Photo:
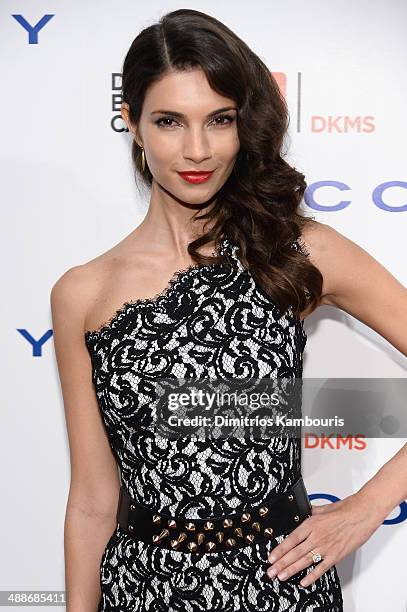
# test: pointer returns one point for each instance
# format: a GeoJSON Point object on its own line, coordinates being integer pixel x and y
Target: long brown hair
{"type": "Point", "coordinates": [259, 205]}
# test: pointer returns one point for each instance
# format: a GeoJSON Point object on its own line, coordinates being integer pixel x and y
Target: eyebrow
{"type": "Point", "coordinates": [182, 116]}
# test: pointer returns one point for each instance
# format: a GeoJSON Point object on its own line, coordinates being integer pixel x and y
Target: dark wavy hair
{"type": "Point", "coordinates": [259, 204]}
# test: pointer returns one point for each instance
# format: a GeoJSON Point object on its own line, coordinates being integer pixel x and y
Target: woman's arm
{"type": "Point", "coordinates": [358, 284]}
{"type": "Point", "coordinates": [90, 517]}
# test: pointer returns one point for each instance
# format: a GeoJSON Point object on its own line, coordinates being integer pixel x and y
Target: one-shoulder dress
{"type": "Point", "coordinates": [210, 321]}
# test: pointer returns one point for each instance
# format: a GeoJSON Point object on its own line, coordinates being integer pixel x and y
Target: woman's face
{"type": "Point", "coordinates": [188, 135]}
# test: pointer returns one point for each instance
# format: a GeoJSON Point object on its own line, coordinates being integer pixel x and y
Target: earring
{"type": "Point", "coordinates": [143, 159]}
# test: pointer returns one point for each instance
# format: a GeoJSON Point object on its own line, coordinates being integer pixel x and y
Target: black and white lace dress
{"type": "Point", "coordinates": [211, 321]}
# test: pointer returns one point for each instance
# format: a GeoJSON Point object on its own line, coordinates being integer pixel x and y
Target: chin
{"type": "Point", "coordinates": [197, 198]}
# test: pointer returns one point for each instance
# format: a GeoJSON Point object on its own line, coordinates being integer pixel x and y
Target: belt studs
{"type": "Point", "coordinates": [190, 526]}
{"type": "Point", "coordinates": [163, 534]}
{"type": "Point", "coordinates": [175, 543]}
{"type": "Point", "coordinates": [209, 526]}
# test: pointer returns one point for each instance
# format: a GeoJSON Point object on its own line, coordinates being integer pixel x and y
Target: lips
{"type": "Point", "coordinates": [195, 177]}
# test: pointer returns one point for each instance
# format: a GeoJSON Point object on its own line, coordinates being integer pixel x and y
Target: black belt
{"type": "Point", "coordinates": [277, 516]}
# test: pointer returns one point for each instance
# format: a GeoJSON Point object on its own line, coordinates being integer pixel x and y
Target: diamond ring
{"type": "Point", "coordinates": [316, 557]}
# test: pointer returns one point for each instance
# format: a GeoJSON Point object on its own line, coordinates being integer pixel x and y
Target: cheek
{"type": "Point", "coordinates": [229, 148]}
{"type": "Point", "coordinates": [162, 151]}
{"type": "Point", "coordinates": [160, 160]}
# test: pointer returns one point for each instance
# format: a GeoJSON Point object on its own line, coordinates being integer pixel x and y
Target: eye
{"type": "Point", "coordinates": [160, 124]}
{"type": "Point", "coordinates": [229, 118]}
{"type": "Point", "coordinates": [220, 120]}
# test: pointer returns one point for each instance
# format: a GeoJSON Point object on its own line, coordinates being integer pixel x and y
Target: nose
{"type": "Point", "coordinates": [196, 145]}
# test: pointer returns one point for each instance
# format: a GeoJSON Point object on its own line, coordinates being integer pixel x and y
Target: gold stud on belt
{"type": "Point", "coordinates": [290, 498]}
{"type": "Point", "coordinates": [161, 536]}
{"type": "Point", "coordinates": [175, 543]}
{"type": "Point", "coordinates": [209, 525]}
{"type": "Point", "coordinates": [230, 542]}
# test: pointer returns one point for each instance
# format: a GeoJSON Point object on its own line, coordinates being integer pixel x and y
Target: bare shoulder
{"type": "Point", "coordinates": [319, 238]}
{"type": "Point", "coordinates": [76, 290]}
{"type": "Point", "coordinates": [357, 283]}
{"type": "Point", "coordinates": [70, 296]}
{"type": "Point", "coordinates": [332, 253]}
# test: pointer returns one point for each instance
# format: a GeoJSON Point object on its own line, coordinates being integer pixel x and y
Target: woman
{"type": "Point", "coordinates": [197, 521]}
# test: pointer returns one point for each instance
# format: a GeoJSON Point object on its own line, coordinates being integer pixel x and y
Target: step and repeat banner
{"type": "Point", "coordinates": [69, 195]}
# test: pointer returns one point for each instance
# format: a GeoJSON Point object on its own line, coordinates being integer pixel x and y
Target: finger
{"type": "Point", "coordinates": [319, 569]}
{"type": "Point", "coordinates": [298, 535]}
{"type": "Point", "coordinates": [291, 569]}
{"type": "Point", "coordinates": [298, 557]}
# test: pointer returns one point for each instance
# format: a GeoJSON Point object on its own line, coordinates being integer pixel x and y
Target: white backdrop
{"type": "Point", "coordinates": [68, 195]}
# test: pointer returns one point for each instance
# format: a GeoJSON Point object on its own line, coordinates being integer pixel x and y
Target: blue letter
{"type": "Point", "coordinates": [378, 192]}
{"type": "Point", "coordinates": [36, 344]}
{"type": "Point", "coordinates": [32, 30]}
{"type": "Point", "coordinates": [309, 195]}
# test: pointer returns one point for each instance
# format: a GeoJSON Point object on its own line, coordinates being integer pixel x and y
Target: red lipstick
{"type": "Point", "coordinates": [192, 176]}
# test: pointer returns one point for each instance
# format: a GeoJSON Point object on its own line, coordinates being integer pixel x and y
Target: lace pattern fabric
{"type": "Point", "coordinates": [210, 321]}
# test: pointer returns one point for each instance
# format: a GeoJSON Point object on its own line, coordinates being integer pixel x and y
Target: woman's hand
{"type": "Point", "coordinates": [334, 530]}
